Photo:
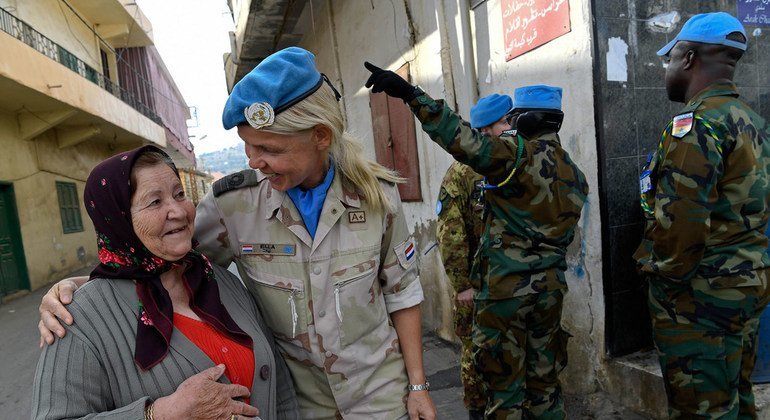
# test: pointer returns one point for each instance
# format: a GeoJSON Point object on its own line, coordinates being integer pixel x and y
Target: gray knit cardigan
{"type": "Point", "coordinates": [90, 373]}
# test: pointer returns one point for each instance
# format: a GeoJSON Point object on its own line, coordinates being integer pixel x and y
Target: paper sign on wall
{"type": "Point", "coordinates": [754, 12]}
{"type": "Point", "coordinates": [528, 24]}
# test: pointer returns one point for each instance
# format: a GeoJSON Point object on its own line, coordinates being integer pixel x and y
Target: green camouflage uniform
{"type": "Point", "coordinates": [458, 229]}
{"type": "Point", "coordinates": [327, 299]}
{"type": "Point", "coordinates": [528, 225]}
{"type": "Point", "coordinates": [705, 204]}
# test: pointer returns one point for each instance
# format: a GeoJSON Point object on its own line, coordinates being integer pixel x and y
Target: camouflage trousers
{"type": "Point", "coordinates": [473, 390]}
{"type": "Point", "coordinates": [520, 350]}
{"type": "Point", "coordinates": [707, 339]}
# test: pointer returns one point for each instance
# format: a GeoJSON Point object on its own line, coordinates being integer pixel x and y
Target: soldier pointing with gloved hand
{"type": "Point", "coordinates": [533, 197]}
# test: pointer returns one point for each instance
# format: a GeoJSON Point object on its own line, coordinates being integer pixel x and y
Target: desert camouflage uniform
{"type": "Point", "coordinates": [704, 254]}
{"type": "Point", "coordinates": [528, 225]}
{"type": "Point", "coordinates": [458, 230]}
{"type": "Point", "coordinates": [326, 299]}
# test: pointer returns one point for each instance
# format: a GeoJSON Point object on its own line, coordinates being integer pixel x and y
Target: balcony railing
{"type": "Point", "coordinates": [26, 34]}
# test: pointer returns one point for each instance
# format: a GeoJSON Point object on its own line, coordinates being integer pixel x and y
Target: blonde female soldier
{"type": "Point", "coordinates": [319, 238]}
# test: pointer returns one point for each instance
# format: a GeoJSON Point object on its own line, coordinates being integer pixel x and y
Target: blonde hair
{"type": "Point", "coordinates": [346, 151]}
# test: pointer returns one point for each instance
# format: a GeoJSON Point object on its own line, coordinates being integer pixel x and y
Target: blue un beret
{"type": "Point", "coordinates": [489, 109]}
{"type": "Point", "coordinates": [537, 97]}
{"type": "Point", "coordinates": [709, 28]}
{"type": "Point", "coordinates": [274, 85]}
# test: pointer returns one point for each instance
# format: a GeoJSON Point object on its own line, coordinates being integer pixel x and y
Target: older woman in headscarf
{"type": "Point", "coordinates": [320, 239]}
{"type": "Point", "coordinates": [159, 331]}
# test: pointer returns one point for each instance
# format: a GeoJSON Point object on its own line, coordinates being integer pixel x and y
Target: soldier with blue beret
{"type": "Point", "coordinates": [488, 115]}
{"type": "Point", "coordinates": [533, 197]}
{"type": "Point", "coordinates": [319, 237]}
{"type": "Point", "coordinates": [458, 229]}
{"type": "Point", "coordinates": [704, 196]}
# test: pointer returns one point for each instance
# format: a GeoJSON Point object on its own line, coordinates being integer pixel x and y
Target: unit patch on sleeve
{"type": "Point", "coordinates": [406, 252]}
{"type": "Point", "coordinates": [682, 124]}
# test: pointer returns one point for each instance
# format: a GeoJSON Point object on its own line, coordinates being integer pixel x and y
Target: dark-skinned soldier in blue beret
{"type": "Point", "coordinates": [705, 200]}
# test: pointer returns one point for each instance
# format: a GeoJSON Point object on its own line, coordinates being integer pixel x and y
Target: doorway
{"type": "Point", "coordinates": [13, 266]}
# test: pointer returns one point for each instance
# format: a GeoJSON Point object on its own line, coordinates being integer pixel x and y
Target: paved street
{"type": "Point", "coordinates": [20, 352]}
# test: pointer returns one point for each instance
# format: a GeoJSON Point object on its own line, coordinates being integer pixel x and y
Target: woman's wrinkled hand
{"type": "Point", "coordinates": [201, 397]}
{"type": "Point", "coordinates": [52, 310]}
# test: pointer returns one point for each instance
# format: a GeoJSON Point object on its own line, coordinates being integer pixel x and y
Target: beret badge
{"type": "Point", "coordinates": [259, 114]}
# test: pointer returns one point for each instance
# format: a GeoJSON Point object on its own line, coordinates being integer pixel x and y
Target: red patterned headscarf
{"type": "Point", "coordinates": [123, 257]}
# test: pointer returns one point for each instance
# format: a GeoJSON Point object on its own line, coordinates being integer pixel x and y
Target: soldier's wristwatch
{"type": "Point", "coordinates": [419, 387]}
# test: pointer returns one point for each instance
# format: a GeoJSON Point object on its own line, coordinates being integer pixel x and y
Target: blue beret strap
{"type": "Point", "coordinates": [328, 82]}
{"type": "Point", "coordinates": [296, 100]}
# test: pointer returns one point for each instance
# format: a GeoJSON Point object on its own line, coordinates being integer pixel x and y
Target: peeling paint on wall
{"type": "Point", "coordinates": [617, 68]}
{"type": "Point", "coordinates": [437, 307]}
{"type": "Point", "coordinates": [576, 258]}
{"type": "Point", "coordinates": [664, 22]}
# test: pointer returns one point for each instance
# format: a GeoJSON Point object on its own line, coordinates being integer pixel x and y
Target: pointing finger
{"type": "Point", "coordinates": [371, 67]}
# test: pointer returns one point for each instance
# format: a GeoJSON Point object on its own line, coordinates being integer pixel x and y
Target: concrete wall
{"type": "Point", "coordinates": [56, 21]}
{"type": "Point", "coordinates": [33, 159]}
{"type": "Point", "coordinates": [457, 54]}
{"type": "Point", "coordinates": [32, 69]}
{"type": "Point", "coordinates": [381, 32]}
{"type": "Point", "coordinates": [566, 62]}
{"type": "Point", "coordinates": [34, 168]}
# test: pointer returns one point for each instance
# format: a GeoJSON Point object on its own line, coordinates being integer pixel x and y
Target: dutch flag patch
{"type": "Point", "coordinates": [406, 252]}
{"type": "Point", "coordinates": [409, 251]}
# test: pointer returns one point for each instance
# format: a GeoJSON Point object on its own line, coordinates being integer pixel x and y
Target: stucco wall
{"type": "Point", "coordinates": [566, 62]}
{"type": "Point", "coordinates": [56, 21]}
{"type": "Point", "coordinates": [34, 167]}
{"type": "Point", "coordinates": [451, 55]}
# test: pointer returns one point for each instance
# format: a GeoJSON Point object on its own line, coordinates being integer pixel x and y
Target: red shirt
{"type": "Point", "coordinates": [238, 359]}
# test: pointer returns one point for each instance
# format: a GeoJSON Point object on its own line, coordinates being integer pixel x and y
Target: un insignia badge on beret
{"type": "Point", "coordinates": [259, 114]}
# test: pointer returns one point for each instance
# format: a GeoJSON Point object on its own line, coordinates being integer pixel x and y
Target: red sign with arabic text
{"type": "Point", "coordinates": [528, 24]}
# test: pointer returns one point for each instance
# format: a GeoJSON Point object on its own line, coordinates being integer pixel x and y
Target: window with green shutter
{"type": "Point", "coordinates": [69, 206]}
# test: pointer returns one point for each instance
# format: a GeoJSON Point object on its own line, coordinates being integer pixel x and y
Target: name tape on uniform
{"type": "Point", "coordinates": [269, 249]}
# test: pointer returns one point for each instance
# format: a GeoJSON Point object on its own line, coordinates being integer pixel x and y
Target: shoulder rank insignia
{"type": "Point", "coordinates": [245, 178]}
{"type": "Point", "coordinates": [682, 124]}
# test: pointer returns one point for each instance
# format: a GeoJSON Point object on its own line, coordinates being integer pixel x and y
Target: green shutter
{"type": "Point", "coordinates": [69, 207]}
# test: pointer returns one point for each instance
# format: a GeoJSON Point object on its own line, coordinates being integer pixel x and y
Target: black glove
{"type": "Point", "coordinates": [390, 83]}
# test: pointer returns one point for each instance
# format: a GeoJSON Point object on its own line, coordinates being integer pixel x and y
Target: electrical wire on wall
{"type": "Point", "coordinates": [118, 57]}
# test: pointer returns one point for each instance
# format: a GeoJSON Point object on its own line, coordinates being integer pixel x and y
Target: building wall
{"type": "Point", "coordinates": [34, 168]}
{"type": "Point", "coordinates": [635, 109]}
{"type": "Point", "coordinates": [55, 20]}
{"type": "Point", "coordinates": [45, 103]}
{"type": "Point", "coordinates": [32, 69]}
{"type": "Point", "coordinates": [565, 62]}
{"type": "Point", "coordinates": [358, 26]}
{"type": "Point", "coordinates": [457, 54]}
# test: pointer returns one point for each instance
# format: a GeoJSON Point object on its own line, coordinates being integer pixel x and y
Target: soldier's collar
{"type": "Point", "coordinates": [715, 89]}
{"type": "Point", "coordinates": [340, 189]}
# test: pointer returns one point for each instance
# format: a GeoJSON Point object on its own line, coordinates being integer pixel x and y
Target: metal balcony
{"type": "Point", "coordinates": [28, 35]}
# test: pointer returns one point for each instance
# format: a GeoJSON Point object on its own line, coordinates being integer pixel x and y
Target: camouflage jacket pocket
{"type": "Point", "coordinates": [360, 306]}
{"type": "Point", "coordinates": [282, 302]}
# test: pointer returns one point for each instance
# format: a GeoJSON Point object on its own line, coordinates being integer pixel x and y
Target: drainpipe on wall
{"type": "Point", "coordinates": [446, 56]}
{"type": "Point", "coordinates": [339, 84]}
{"type": "Point", "coordinates": [464, 39]}
{"type": "Point", "coordinates": [468, 43]}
